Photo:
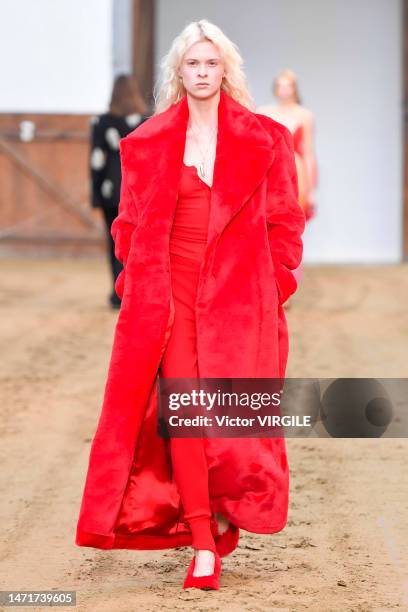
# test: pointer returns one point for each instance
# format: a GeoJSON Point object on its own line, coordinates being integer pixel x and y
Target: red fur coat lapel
{"type": "Point", "coordinates": [155, 151]}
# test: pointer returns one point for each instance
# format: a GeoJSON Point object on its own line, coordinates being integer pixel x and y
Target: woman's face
{"type": "Point", "coordinates": [202, 69]}
{"type": "Point", "coordinates": [285, 89]}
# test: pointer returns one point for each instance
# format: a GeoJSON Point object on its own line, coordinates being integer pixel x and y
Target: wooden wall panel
{"type": "Point", "coordinates": [44, 192]}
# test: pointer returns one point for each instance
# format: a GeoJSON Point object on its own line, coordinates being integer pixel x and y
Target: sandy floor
{"type": "Point", "coordinates": [346, 543]}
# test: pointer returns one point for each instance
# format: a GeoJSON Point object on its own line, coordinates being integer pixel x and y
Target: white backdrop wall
{"type": "Point", "coordinates": [122, 37]}
{"type": "Point", "coordinates": [348, 56]}
{"type": "Point", "coordinates": [56, 55]}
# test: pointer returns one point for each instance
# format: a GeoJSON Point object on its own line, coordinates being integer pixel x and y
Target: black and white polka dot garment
{"type": "Point", "coordinates": [104, 162]}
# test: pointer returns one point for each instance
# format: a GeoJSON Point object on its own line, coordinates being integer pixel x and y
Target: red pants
{"type": "Point", "coordinates": [180, 360]}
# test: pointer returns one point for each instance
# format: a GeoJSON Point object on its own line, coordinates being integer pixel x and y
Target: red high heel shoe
{"type": "Point", "coordinates": [207, 583]}
{"type": "Point", "coordinates": [228, 541]}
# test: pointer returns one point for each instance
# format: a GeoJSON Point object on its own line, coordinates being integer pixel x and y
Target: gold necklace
{"type": "Point", "coordinates": [202, 163]}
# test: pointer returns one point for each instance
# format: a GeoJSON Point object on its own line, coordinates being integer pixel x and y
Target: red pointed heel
{"type": "Point", "coordinates": [207, 583]}
{"type": "Point", "coordinates": [227, 542]}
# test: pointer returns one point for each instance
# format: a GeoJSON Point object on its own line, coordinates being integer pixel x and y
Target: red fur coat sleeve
{"type": "Point", "coordinates": [284, 215]}
{"type": "Point", "coordinates": [124, 225]}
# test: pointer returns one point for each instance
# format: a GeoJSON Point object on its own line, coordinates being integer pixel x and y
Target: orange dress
{"type": "Point", "coordinates": [187, 246]}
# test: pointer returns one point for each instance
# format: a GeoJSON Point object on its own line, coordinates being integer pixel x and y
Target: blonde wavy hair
{"type": "Point", "coordinates": [170, 88]}
{"type": "Point", "coordinates": [291, 76]}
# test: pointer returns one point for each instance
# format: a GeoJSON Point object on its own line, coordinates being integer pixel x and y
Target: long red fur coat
{"type": "Point", "coordinates": [130, 499]}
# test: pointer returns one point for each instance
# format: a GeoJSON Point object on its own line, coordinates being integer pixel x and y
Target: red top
{"type": "Point", "coordinates": [298, 140]}
{"type": "Point", "coordinates": [188, 237]}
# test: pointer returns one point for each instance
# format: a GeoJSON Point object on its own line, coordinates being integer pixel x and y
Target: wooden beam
{"type": "Point", "coordinates": [143, 21]}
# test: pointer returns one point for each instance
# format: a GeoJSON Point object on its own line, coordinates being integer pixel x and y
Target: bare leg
{"type": "Point", "coordinates": [223, 523]}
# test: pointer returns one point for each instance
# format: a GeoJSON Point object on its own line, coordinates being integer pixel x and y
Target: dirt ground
{"type": "Point", "coordinates": [345, 546]}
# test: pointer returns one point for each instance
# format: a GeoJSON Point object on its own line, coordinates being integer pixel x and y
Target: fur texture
{"type": "Point", "coordinates": [254, 241]}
